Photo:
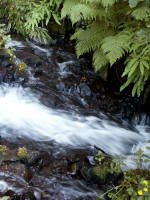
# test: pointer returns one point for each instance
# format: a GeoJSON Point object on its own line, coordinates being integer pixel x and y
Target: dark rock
{"type": "Point", "coordinates": [8, 78]}
{"type": "Point", "coordinates": [28, 196]}
{"type": "Point", "coordinates": [84, 89]}
{"type": "Point", "coordinates": [9, 156]}
{"type": "Point", "coordinates": [39, 160]}
{"type": "Point", "coordinates": [15, 168]}
{"type": "Point", "coordinates": [38, 73]}
{"type": "Point", "coordinates": [41, 42]}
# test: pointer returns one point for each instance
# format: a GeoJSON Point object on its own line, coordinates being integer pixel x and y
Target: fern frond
{"type": "Point", "coordinates": [78, 11]}
{"type": "Point", "coordinates": [67, 7]}
{"type": "Point", "coordinates": [107, 3]}
{"type": "Point", "coordinates": [141, 13]}
{"type": "Point", "coordinates": [104, 3]}
{"type": "Point", "coordinates": [87, 43]}
{"type": "Point", "coordinates": [99, 59]}
{"type": "Point", "coordinates": [137, 69]}
{"type": "Point", "coordinates": [116, 46]}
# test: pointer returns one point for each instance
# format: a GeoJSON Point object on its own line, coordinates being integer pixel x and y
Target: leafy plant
{"type": "Point", "coordinates": [30, 17]}
{"type": "Point", "coordinates": [22, 153]}
{"type": "Point", "coordinates": [135, 184]}
{"type": "Point", "coordinates": [4, 38]}
{"type": "Point", "coordinates": [5, 198]}
{"type": "Point", "coordinates": [3, 149]}
{"type": "Point", "coordinates": [115, 29]}
{"type": "Point", "coordinates": [111, 29]}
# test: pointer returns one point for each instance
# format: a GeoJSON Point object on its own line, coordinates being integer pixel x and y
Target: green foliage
{"type": "Point", "coordinates": [135, 184]}
{"type": "Point", "coordinates": [4, 38]}
{"type": "Point", "coordinates": [22, 153]}
{"type": "Point", "coordinates": [3, 149]}
{"type": "Point", "coordinates": [111, 29]}
{"type": "Point", "coordinates": [30, 17]}
{"type": "Point", "coordinates": [115, 29]}
{"type": "Point", "coordinates": [5, 198]}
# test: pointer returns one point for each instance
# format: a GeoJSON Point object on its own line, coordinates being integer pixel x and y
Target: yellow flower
{"type": "Point", "coordinates": [145, 182]}
{"type": "Point", "coordinates": [140, 192]}
{"type": "Point", "coordinates": [145, 189]}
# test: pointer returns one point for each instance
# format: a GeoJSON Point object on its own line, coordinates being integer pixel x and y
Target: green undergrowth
{"type": "Point", "coordinates": [115, 29]}
{"type": "Point", "coordinates": [111, 30]}
{"type": "Point", "coordinates": [4, 39]}
{"type": "Point", "coordinates": [5, 198]}
{"type": "Point", "coordinates": [134, 184]}
{"type": "Point", "coordinates": [30, 17]}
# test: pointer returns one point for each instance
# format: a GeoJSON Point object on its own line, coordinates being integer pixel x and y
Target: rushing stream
{"type": "Point", "coordinates": [25, 114]}
{"type": "Point", "coordinates": [21, 111]}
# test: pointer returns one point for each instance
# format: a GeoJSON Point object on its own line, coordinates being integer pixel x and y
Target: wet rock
{"type": "Point", "coordinates": [98, 175]}
{"type": "Point", "coordinates": [59, 41]}
{"type": "Point", "coordinates": [84, 89]}
{"type": "Point", "coordinates": [38, 73]}
{"type": "Point", "coordinates": [41, 42]}
{"type": "Point", "coordinates": [9, 156]}
{"type": "Point", "coordinates": [39, 160]}
{"type": "Point", "coordinates": [52, 100]}
{"type": "Point", "coordinates": [29, 195]}
{"type": "Point", "coordinates": [47, 174]}
{"type": "Point", "coordinates": [101, 172]}
{"type": "Point", "coordinates": [7, 71]}
{"type": "Point", "coordinates": [8, 78]}
{"type": "Point", "coordinates": [29, 58]}
{"type": "Point", "coordinates": [14, 168]}
{"type": "Point", "coordinates": [74, 169]}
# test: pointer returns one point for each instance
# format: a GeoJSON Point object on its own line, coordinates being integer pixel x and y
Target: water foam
{"type": "Point", "coordinates": [22, 112]}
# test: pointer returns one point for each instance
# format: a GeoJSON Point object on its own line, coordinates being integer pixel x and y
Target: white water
{"type": "Point", "coordinates": [21, 112]}
{"type": "Point", "coordinates": [14, 43]}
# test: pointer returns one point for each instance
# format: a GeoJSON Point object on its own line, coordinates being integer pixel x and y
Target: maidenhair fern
{"type": "Point", "coordinates": [115, 29]}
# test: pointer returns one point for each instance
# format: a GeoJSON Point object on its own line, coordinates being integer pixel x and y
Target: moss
{"type": "Point", "coordinates": [22, 153]}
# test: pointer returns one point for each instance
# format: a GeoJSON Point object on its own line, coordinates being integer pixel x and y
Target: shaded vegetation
{"type": "Point", "coordinates": [134, 184]}
{"type": "Point", "coordinates": [111, 30]}
{"type": "Point", "coordinates": [114, 29]}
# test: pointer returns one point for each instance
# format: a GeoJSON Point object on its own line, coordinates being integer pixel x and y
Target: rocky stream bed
{"type": "Point", "coordinates": [62, 113]}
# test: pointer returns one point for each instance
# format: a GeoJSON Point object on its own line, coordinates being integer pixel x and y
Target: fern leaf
{"type": "Point", "coordinates": [87, 43]}
{"type": "Point", "coordinates": [142, 68]}
{"type": "Point", "coordinates": [133, 68]}
{"type": "Point", "coordinates": [146, 64]}
{"type": "Point", "coordinates": [130, 63]}
{"type": "Point", "coordinates": [78, 11]}
{"type": "Point", "coordinates": [67, 7]}
{"type": "Point", "coordinates": [141, 13]}
{"type": "Point", "coordinates": [107, 3]}
{"type": "Point", "coordinates": [99, 59]}
{"type": "Point", "coordinates": [115, 46]}
{"type": "Point", "coordinates": [146, 75]}
{"type": "Point", "coordinates": [134, 90]}
{"type": "Point", "coordinates": [128, 82]}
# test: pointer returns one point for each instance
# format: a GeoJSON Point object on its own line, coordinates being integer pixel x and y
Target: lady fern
{"type": "Point", "coordinates": [115, 29]}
